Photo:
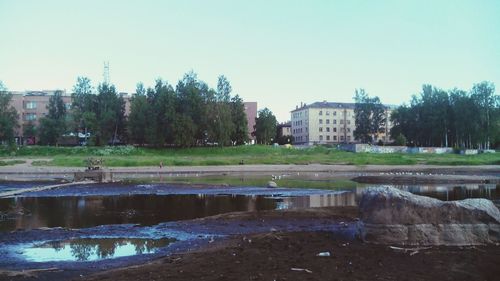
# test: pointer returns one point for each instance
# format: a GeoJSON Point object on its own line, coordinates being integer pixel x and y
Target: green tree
{"type": "Point", "coordinates": [369, 115]}
{"type": "Point", "coordinates": [138, 117]}
{"type": "Point", "coordinates": [8, 116]}
{"type": "Point", "coordinates": [265, 126]}
{"type": "Point", "coordinates": [53, 126]}
{"type": "Point", "coordinates": [223, 126]}
{"type": "Point", "coordinates": [30, 132]}
{"type": "Point", "coordinates": [83, 109]}
{"type": "Point", "coordinates": [239, 134]}
{"type": "Point", "coordinates": [110, 110]}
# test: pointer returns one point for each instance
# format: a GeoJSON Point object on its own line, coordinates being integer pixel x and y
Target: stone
{"type": "Point", "coordinates": [272, 184]}
{"type": "Point", "coordinates": [393, 216]}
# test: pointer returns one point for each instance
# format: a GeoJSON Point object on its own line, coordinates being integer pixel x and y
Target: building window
{"type": "Point", "coordinates": [341, 138]}
{"type": "Point", "coordinates": [334, 138]}
{"type": "Point", "coordinates": [30, 105]}
{"type": "Point", "coordinates": [348, 122]}
{"type": "Point", "coordinates": [320, 138]}
{"type": "Point", "coordinates": [327, 121]}
{"type": "Point", "coordinates": [30, 117]}
{"type": "Point", "coordinates": [341, 121]}
{"type": "Point", "coordinates": [327, 138]}
{"type": "Point", "coordinates": [328, 113]}
{"type": "Point", "coordinates": [348, 130]}
{"type": "Point", "coordinates": [334, 121]}
{"type": "Point", "coordinates": [328, 129]}
{"type": "Point", "coordinates": [321, 129]}
{"type": "Point", "coordinates": [321, 121]}
{"type": "Point", "coordinates": [348, 138]}
{"type": "Point", "coordinates": [335, 113]}
{"type": "Point", "coordinates": [334, 130]}
{"type": "Point", "coordinates": [321, 112]}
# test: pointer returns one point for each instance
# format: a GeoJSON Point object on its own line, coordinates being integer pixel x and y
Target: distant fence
{"type": "Point", "coordinates": [396, 149]}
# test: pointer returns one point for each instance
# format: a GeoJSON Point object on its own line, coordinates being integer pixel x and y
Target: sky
{"type": "Point", "coordinates": [277, 53]}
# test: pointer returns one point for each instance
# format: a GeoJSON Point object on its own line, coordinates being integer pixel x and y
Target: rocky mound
{"type": "Point", "coordinates": [392, 216]}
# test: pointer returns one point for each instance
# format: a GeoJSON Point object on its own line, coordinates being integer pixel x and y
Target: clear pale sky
{"type": "Point", "coordinates": [278, 53]}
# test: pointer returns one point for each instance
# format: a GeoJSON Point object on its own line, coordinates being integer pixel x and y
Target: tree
{"type": "Point", "coordinates": [265, 126]}
{"type": "Point", "coordinates": [138, 118]}
{"type": "Point", "coordinates": [369, 115]}
{"type": "Point", "coordinates": [83, 109]}
{"type": "Point", "coordinates": [30, 132]}
{"type": "Point", "coordinates": [239, 134]}
{"type": "Point", "coordinates": [53, 125]}
{"type": "Point", "coordinates": [110, 110]}
{"type": "Point", "coordinates": [8, 116]}
{"type": "Point", "coordinates": [222, 125]}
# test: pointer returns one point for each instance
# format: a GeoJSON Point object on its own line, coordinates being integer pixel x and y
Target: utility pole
{"type": "Point", "coordinates": [106, 73]}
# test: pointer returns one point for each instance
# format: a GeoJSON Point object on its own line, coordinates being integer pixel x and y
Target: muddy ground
{"type": "Point", "coordinates": [293, 256]}
{"type": "Point", "coordinates": [283, 245]}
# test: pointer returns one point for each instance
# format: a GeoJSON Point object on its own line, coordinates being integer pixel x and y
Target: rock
{"type": "Point", "coordinates": [272, 184]}
{"type": "Point", "coordinates": [392, 216]}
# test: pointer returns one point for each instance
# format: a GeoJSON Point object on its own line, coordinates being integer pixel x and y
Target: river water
{"type": "Point", "coordinates": [148, 205]}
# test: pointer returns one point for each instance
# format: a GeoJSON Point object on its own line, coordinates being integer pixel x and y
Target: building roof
{"type": "Point", "coordinates": [337, 105]}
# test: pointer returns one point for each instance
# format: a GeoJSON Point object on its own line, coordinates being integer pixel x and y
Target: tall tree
{"type": "Point", "coordinates": [8, 116]}
{"type": "Point", "coordinates": [223, 125]}
{"type": "Point", "coordinates": [109, 126]}
{"type": "Point", "coordinates": [239, 134]}
{"type": "Point", "coordinates": [53, 126]}
{"type": "Point", "coordinates": [83, 108]}
{"type": "Point", "coordinates": [138, 117]}
{"type": "Point", "coordinates": [265, 126]}
{"type": "Point", "coordinates": [369, 115]}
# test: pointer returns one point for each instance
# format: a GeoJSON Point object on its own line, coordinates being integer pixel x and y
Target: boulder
{"type": "Point", "coordinates": [393, 216]}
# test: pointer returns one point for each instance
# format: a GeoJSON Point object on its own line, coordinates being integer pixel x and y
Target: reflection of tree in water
{"type": "Point", "coordinates": [104, 248]}
{"type": "Point", "coordinates": [81, 250]}
{"type": "Point", "coordinates": [56, 245]}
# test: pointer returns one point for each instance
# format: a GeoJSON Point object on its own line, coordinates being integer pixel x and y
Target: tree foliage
{"type": "Point", "coordinates": [192, 114]}
{"type": "Point", "coordinates": [369, 117]}
{"type": "Point", "coordinates": [8, 116]}
{"type": "Point", "coordinates": [265, 126]}
{"type": "Point", "coordinates": [450, 118]}
{"type": "Point", "coordinates": [53, 126]}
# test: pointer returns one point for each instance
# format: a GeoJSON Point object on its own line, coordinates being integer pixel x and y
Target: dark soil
{"type": "Point", "coordinates": [286, 256]}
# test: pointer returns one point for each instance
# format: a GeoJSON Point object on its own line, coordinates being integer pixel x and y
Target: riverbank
{"type": "Point", "coordinates": [365, 173]}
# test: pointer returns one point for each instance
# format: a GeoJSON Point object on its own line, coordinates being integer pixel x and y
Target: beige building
{"type": "Point", "coordinates": [328, 123]}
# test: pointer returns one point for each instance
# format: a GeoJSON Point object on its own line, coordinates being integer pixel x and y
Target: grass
{"type": "Point", "coordinates": [11, 162]}
{"type": "Point", "coordinates": [128, 156]}
{"type": "Point", "coordinates": [337, 184]}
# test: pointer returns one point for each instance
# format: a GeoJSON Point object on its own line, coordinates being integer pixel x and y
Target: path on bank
{"type": "Point", "coordinates": [491, 173]}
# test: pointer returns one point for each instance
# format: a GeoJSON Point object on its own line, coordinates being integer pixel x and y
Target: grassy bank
{"type": "Point", "coordinates": [128, 156]}
{"type": "Point", "coordinates": [337, 184]}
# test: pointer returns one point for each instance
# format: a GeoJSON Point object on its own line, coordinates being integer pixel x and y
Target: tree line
{"type": "Point", "coordinates": [458, 118]}
{"type": "Point", "coordinates": [191, 114]}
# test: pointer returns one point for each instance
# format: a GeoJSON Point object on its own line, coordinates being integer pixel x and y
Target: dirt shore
{"type": "Point", "coordinates": [294, 256]}
{"type": "Point", "coordinates": [366, 173]}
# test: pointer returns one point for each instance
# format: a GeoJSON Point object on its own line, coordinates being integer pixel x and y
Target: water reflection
{"type": "Point", "coordinates": [90, 249]}
{"type": "Point", "coordinates": [452, 192]}
{"type": "Point", "coordinates": [88, 211]}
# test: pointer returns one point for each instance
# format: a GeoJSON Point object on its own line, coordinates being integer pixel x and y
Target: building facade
{"type": "Point", "coordinates": [328, 123]}
{"type": "Point", "coordinates": [251, 112]}
{"type": "Point", "coordinates": [31, 106]}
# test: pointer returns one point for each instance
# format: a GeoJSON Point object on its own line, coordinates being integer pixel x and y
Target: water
{"type": "Point", "coordinates": [87, 211]}
{"type": "Point", "coordinates": [92, 249]}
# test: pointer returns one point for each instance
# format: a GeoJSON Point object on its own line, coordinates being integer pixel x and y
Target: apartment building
{"type": "Point", "coordinates": [251, 112]}
{"type": "Point", "coordinates": [328, 123]}
{"type": "Point", "coordinates": [31, 106]}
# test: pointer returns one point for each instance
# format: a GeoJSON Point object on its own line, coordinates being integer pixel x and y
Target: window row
{"type": "Point", "coordinates": [341, 121]}
{"type": "Point", "coordinates": [335, 129]}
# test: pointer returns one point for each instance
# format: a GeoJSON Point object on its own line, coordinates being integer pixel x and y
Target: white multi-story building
{"type": "Point", "coordinates": [328, 123]}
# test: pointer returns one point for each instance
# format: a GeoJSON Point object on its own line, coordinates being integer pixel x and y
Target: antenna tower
{"type": "Point", "coordinates": [106, 72]}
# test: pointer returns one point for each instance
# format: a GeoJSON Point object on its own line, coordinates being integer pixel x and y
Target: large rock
{"type": "Point", "coordinates": [392, 216]}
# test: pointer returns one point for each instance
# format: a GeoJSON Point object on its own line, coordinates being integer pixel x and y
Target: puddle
{"type": "Point", "coordinates": [92, 249]}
